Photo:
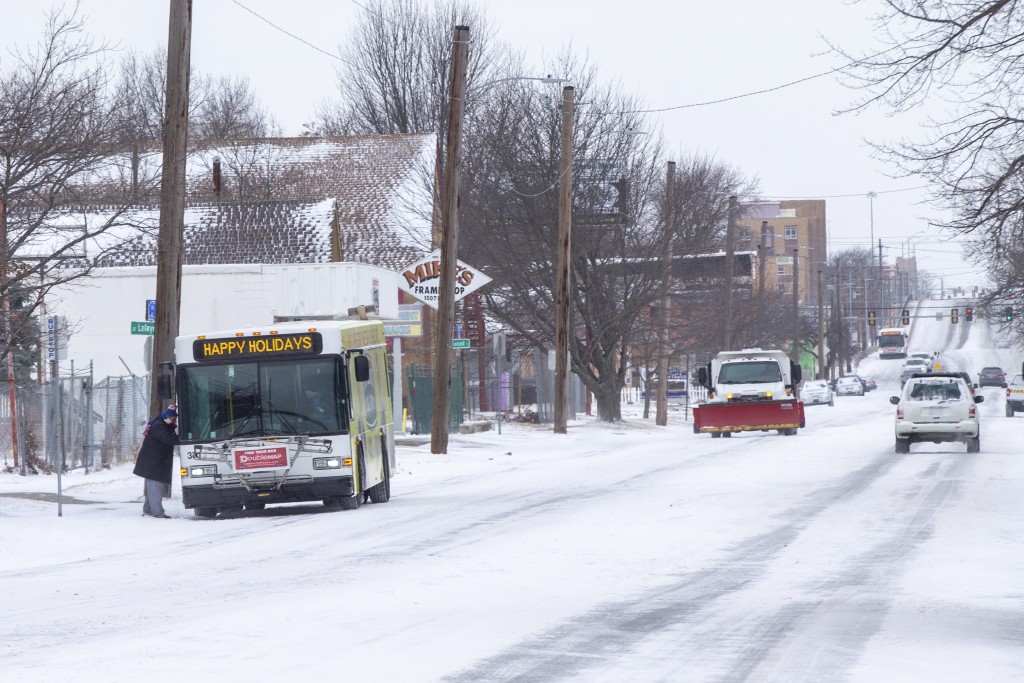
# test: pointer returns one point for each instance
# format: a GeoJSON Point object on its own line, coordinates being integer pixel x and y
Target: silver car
{"type": "Point", "coordinates": [849, 386]}
{"type": "Point", "coordinates": [938, 407]}
{"type": "Point", "coordinates": [815, 391]}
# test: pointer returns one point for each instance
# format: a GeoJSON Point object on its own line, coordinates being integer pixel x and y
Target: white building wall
{"type": "Point", "coordinates": [100, 309]}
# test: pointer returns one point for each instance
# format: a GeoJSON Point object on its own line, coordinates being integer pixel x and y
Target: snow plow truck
{"type": "Point", "coordinates": [749, 390]}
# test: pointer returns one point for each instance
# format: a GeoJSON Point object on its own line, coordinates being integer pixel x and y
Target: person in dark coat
{"type": "Point", "coordinates": [155, 461]}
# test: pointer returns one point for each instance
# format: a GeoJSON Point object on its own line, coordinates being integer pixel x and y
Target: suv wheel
{"type": "Point", "coordinates": [902, 445]}
{"type": "Point", "coordinates": [1009, 410]}
{"type": "Point", "coordinates": [974, 445]}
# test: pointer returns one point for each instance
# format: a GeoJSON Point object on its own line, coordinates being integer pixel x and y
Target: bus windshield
{"type": "Point", "coordinates": [750, 372]}
{"type": "Point", "coordinates": [262, 399]}
{"type": "Point", "coordinates": [891, 340]}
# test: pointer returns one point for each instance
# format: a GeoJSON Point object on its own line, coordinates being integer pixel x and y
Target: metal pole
{"type": "Point", "coordinates": [796, 304]}
{"type": "Point", "coordinates": [563, 272]}
{"type": "Point", "coordinates": [449, 245]}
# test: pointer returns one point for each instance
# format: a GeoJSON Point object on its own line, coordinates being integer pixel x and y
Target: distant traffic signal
{"type": "Point", "coordinates": [905, 317]}
{"type": "Point", "coordinates": [954, 316]}
{"type": "Point", "coordinates": [968, 314]}
{"type": "Point", "coordinates": [1008, 314]}
{"type": "Point", "coordinates": [871, 318]}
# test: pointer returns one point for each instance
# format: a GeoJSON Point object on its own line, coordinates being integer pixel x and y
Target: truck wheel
{"type": "Point", "coordinates": [206, 512]}
{"type": "Point", "coordinates": [902, 445]}
{"type": "Point", "coordinates": [974, 445]}
{"type": "Point", "coordinates": [727, 435]}
{"type": "Point", "coordinates": [716, 435]}
{"type": "Point", "coordinates": [1009, 410]}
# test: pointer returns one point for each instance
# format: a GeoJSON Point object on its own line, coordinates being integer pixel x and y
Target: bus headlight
{"type": "Point", "coordinates": [326, 463]}
{"type": "Point", "coordinates": [202, 471]}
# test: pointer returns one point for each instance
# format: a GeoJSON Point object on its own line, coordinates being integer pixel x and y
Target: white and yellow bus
{"type": "Point", "coordinates": [893, 342]}
{"type": "Point", "coordinates": [285, 413]}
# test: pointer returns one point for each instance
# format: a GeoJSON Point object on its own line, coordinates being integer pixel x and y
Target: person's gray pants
{"type": "Point", "coordinates": [154, 503]}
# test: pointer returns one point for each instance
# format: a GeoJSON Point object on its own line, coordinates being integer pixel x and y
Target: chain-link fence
{"type": "Point", "coordinates": [75, 420]}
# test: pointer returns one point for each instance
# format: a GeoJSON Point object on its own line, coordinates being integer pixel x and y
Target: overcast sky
{"type": "Point", "coordinates": [671, 56]}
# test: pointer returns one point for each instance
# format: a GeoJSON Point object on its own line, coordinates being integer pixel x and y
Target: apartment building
{"type": "Point", "coordinates": [795, 244]}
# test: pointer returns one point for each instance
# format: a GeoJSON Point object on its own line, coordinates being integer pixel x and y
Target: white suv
{"type": "Point", "coordinates": [937, 408]}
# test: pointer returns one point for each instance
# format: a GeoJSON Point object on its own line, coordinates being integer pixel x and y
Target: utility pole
{"type": "Point", "coordinates": [170, 247]}
{"type": "Point", "coordinates": [449, 246]}
{"type": "Point", "coordinates": [796, 305]}
{"type": "Point", "coordinates": [821, 328]}
{"type": "Point", "coordinates": [661, 413]}
{"type": "Point", "coordinates": [5, 285]}
{"type": "Point", "coordinates": [762, 266]}
{"type": "Point", "coordinates": [563, 271]}
{"type": "Point", "coordinates": [730, 248]}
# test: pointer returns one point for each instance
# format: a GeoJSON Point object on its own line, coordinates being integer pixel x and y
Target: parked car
{"type": "Point", "coordinates": [849, 385]}
{"type": "Point", "coordinates": [937, 407]}
{"type": "Point", "coordinates": [869, 384]}
{"type": "Point", "coordinates": [1015, 395]}
{"type": "Point", "coordinates": [992, 376]}
{"type": "Point", "coordinates": [815, 391]}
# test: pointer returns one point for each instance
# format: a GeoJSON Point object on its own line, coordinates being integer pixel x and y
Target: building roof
{"type": "Point", "coordinates": [280, 200]}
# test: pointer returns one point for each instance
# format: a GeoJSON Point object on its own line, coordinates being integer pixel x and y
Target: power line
{"type": "Point", "coordinates": [287, 33]}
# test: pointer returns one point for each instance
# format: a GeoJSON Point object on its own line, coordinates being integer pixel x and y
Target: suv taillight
{"type": "Point", "coordinates": [899, 413]}
{"type": "Point", "coordinates": [972, 412]}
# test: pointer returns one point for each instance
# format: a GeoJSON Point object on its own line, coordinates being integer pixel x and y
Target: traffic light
{"type": "Point", "coordinates": [905, 317]}
{"type": "Point", "coordinates": [969, 314]}
{"type": "Point", "coordinates": [1008, 314]}
{"type": "Point", "coordinates": [954, 316]}
{"type": "Point", "coordinates": [871, 318]}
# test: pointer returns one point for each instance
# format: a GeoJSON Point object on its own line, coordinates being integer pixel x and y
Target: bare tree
{"type": "Point", "coordinates": [510, 210]}
{"type": "Point", "coordinates": [231, 111]}
{"type": "Point", "coordinates": [57, 142]}
{"type": "Point", "coordinates": [967, 60]}
{"type": "Point", "coordinates": [393, 76]}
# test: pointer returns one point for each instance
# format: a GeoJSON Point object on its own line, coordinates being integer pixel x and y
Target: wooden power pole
{"type": "Point", "coordinates": [661, 409]}
{"type": "Point", "coordinates": [821, 328]}
{"type": "Point", "coordinates": [170, 242]}
{"type": "Point", "coordinates": [563, 271]}
{"type": "Point", "coordinates": [796, 305]}
{"type": "Point", "coordinates": [730, 250]}
{"type": "Point", "coordinates": [445, 322]}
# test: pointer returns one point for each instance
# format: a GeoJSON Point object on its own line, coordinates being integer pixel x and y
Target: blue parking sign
{"type": "Point", "coordinates": [151, 310]}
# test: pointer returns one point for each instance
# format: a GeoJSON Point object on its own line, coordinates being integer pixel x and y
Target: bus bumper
{"type": "Point", "coordinates": [210, 496]}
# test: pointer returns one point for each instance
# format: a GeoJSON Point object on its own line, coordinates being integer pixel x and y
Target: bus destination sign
{"type": "Point", "coordinates": [257, 347]}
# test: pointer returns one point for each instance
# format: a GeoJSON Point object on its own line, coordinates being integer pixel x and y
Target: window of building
{"type": "Point", "coordinates": [744, 234]}
{"type": "Point", "coordinates": [780, 269]}
{"type": "Point", "coordinates": [790, 232]}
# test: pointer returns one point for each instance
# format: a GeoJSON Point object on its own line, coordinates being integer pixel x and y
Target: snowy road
{"type": "Point", "coordinates": [613, 553]}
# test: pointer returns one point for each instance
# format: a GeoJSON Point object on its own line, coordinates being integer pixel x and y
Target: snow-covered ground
{"type": "Point", "coordinates": [622, 552]}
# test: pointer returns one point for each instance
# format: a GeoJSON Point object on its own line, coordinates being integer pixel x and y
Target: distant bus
{"type": "Point", "coordinates": [893, 342]}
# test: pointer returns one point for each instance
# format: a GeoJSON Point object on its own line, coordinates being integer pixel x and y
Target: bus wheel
{"type": "Point", "coordinates": [351, 502]}
{"type": "Point", "coordinates": [206, 513]}
{"type": "Point", "coordinates": [381, 493]}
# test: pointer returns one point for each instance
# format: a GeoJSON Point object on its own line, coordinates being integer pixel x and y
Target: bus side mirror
{"type": "Point", "coordinates": [362, 367]}
{"type": "Point", "coordinates": [164, 389]}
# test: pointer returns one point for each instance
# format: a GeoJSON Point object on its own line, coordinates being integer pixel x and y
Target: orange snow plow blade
{"type": "Point", "coordinates": [747, 416]}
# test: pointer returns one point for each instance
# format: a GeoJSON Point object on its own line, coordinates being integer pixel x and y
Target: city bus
{"type": "Point", "coordinates": [290, 412]}
{"type": "Point", "coordinates": [893, 342]}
